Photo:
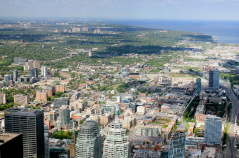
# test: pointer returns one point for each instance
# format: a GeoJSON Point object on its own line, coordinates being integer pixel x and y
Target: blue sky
{"type": "Point", "coordinates": [123, 9]}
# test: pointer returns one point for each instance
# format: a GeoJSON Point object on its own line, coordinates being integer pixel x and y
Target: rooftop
{"type": "Point", "coordinates": [5, 137]}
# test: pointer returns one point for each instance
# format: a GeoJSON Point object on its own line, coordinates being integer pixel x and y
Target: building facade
{"type": "Point", "coordinates": [34, 73]}
{"type": "Point", "coordinates": [41, 96]}
{"type": "Point", "coordinates": [177, 145]}
{"type": "Point", "coordinates": [58, 102]}
{"type": "Point", "coordinates": [15, 75]}
{"type": "Point", "coordinates": [198, 85]}
{"type": "Point", "coordinates": [21, 99]}
{"type": "Point", "coordinates": [213, 130]}
{"type": "Point", "coordinates": [64, 116]}
{"type": "Point", "coordinates": [116, 143]}
{"type": "Point", "coordinates": [44, 71]}
{"type": "Point", "coordinates": [214, 78]}
{"type": "Point", "coordinates": [3, 98]}
{"type": "Point", "coordinates": [89, 143]}
{"type": "Point", "coordinates": [30, 123]}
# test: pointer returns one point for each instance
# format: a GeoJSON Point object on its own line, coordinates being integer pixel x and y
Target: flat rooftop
{"type": "Point", "coordinates": [5, 137]}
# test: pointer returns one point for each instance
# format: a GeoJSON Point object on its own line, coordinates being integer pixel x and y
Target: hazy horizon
{"type": "Point", "coordinates": [122, 9]}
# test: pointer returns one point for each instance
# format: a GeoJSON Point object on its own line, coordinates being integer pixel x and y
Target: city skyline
{"type": "Point", "coordinates": [115, 9]}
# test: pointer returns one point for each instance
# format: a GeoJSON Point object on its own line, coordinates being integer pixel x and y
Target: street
{"type": "Point", "coordinates": [230, 152]}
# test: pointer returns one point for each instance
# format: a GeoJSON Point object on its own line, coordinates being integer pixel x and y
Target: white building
{"type": "Point", "coordinates": [44, 71]}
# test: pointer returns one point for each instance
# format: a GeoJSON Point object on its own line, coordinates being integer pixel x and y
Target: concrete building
{"type": "Point", "coordinates": [11, 145]}
{"type": "Point", "coordinates": [64, 116]}
{"type": "Point", "coordinates": [34, 73]}
{"type": "Point", "coordinates": [3, 98]}
{"type": "Point", "coordinates": [198, 85]}
{"type": "Point", "coordinates": [78, 105]}
{"type": "Point", "coordinates": [15, 75]}
{"type": "Point", "coordinates": [141, 110]}
{"type": "Point", "coordinates": [58, 102]}
{"type": "Point", "coordinates": [7, 78]}
{"type": "Point", "coordinates": [30, 123]}
{"type": "Point", "coordinates": [21, 99]}
{"type": "Point", "coordinates": [144, 153]}
{"type": "Point", "coordinates": [148, 130]}
{"type": "Point", "coordinates": [30, 64]}
{"type": "Point", "coordinates": [41, 96]}
{"type": "Point", "coordinates": [116, 144]}
{"type": "Point", "coordinates": [44, 71]}
{"type": "Point", "coordinates": [20, 61]}
{"type": "Point", "coordinates": [177, 145]}
{"type": "Point", "coordinates": [89, 143]}
{"type": "Point", "coordinates": [214, 78]}
{"type": "Point", "coordinates": [213, 130]}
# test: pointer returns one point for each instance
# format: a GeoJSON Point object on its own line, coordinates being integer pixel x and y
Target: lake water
{"type": "Point", "coordinates": [223, 31]}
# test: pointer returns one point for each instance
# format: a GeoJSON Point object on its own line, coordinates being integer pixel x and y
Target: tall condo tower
{"type": "Point", "coordinates": [116, 144]}
{"type": "Point", "coordinates": [44, 71]}
{"type": "Point", "coordinates": [214, 78]}
{"type": "Point", "coordinates": [89, 143]}
{"type": "Point", "coordinates": [15, 75]}
{"type": "Point", "coordinates": [213, 130]}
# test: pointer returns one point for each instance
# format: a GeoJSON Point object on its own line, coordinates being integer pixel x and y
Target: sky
{"type": "Point", "coordinates": [123, 9]}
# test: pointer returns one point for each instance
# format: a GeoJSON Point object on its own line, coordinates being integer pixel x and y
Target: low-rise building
{"type": "Point", "coordinates": [21, 99]}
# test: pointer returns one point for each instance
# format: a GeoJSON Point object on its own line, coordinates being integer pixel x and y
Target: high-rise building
{"type": "Point", "coordinates": [64, 116]}
{"type": "Point", "coordinates": [213, 130]}
{"type": "Point", "coordinates": [7, 78]}
{"type": "Point", "coordinates": [46, 141]}
{"type": "Point", "coordinates": [116, 143]}
{"type": "Point", "coordinates": [44, 71]}
{"type": "Point", "coordinates": [3, 98]}
{"type": "Point", "coordinates": [34, 73]}
{"type": "Point", "coordinates": [11, 145]}
{"type": "Point", "coordinates": [30, 123]}
{"type": "Point", "coordinates": [214, 78]}
{"type": "Point", "coordinates": [198, 85]}
{"type": "Point", "coordinates": [15, 75]}
{"type": "Point", "coordinates": [21, 99]}
{"type": "Point", "coordinates": [89, 143]}
{"type": "Point", "coordinates": [177, 145]}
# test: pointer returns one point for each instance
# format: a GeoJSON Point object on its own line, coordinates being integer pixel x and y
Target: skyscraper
{"type": "Point", "coordinates": [44, 71]}
{"type": "Point", "coordinates": [177, 145]}
{"type": "Point", "coordinates": [15, 75]}
{"type": "Point", "coordinates": [30, 123]}
{"type": "Point", "coordinates": [89, 143]}
{"type": "Point", "coordinates": [46, 141]}
{"type": "Point", "coordinates": [198, 85]}
{"type": "Point", "coordinates": [116, 144]}
{"type": "Point", "coordinates": [34, 73]}
{"type": "Point", "coordinates": [213, 130]}
{"type": "Point", "coordinates": [64, 116]}
{"type": "Point", "coordinates": [214, 78]}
